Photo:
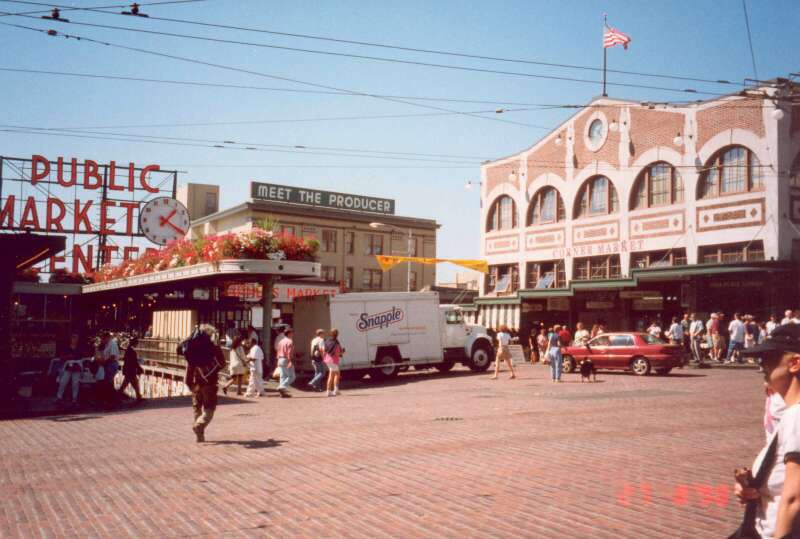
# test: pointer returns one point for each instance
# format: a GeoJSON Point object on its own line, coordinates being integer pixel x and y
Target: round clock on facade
{"type": "Point", "coordinates": [164, 219]}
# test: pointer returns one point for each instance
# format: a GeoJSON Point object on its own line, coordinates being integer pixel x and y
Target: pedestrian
{"type": "Point", "coordinates": [107, 365]}
{"type": "Point", "coordinates": [787, 317]}
{"type": "Point", "coordinates": [716, 337]}
{"type": "Point", "coordinates": [237, 365]}
{"type": "Point", "coordinates": [333, 355]}
{"type": "Point", "coordinates": [71, 374]}
{"type": "Point", "coordinates": [751, 331]}
{"type": "Point", "coordinates": [774, 483]}
{"type": "Point", "coordinates": [675, 332]}
{"type": "Point", "coordinates": [504, 353]}
{"type": "Point", "coordinates": [654, 329]}
{"type": "Point", "coordinates": [771, 324]}
{"type": "Point", "coordinates": [204, 361]}
{"type": "Point", "coordinates": [317, 352]}
{"type": "Point", "coordinates": [554, 354]}
{"type": "Point", "coordinates": [255, 361]}
{"type": "Point", "coordinates": [131, 369]}
{"type": "Point", "coordinates": [686, 324]}
{"type": "Point", "coordinates": [736, 330]}
{"type": "Point", "coordinates": [285, 353]}
{"type": "Point", "coordinates": [541, 343]}
{"type": "Point", "coordinates": [581, 334]}
{"type": "Point", "coordinates": [565, 335]}
{"type": "Point", "coordinates": [230, 333]}
{"type": "Point", "coordinates": [595, 331]}
{"type": "Point", "coordinates": [696, 328]}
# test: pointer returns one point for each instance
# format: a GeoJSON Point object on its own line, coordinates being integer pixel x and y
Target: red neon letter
{"type": "Point", "coordinates": [52, 220]}
{"type": "Point", "coordinates": [81, 217]}
{"type": "Point", "coordinates": [7, 213]}
{"type": "Point", "coordinates": [90, 170]}
{"type": "Point", "coordinates": [30, 217]}
{"type": "Point", "coordinates": [129, 207]}
{"type": "Point", "coordinates": [128, 251]}
{"type": "Point", "coordinates": [106, 222]}
{"type": "Point", "coordinates": [107, 251]}
{"type": "Point", "coordinates": [53, 260]}
{"type": "Point", "coordinates": [73, 172]}
{"type": "Point", "coordinates": [85, 261]}
{"type": "Point", "coordinates": [37, 175]}
{"type": "Point", "coordinates": [112, 175]}
{"type": "Point", "coordinates": [143, 177]}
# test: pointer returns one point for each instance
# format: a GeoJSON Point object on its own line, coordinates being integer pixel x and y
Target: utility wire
{"type": "Point", "coordinates": [93, 8]}
{"type": "Point", "coordinates": [378, 58]}
{"type": "Point", "coordinates": [253, 72]}
{"type": "Point", "coordinates": [402, 48]}
{"type": "Point", "coordinates": [749, 38]}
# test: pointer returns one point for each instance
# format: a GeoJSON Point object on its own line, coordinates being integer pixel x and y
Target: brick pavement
{"type": "Point", "coordinates": [429, 456]}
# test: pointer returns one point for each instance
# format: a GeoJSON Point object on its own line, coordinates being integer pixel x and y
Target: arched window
{"type": "Point", "coordinates": [502, 214]}
{"type": "Point", "coordinates": [731, 170]}
{"type": "Point", "coordinates": [547, 206]}
{"type": "Point", "coordinates": [659, 184]}
{"type": "Point", "coordinates": [597, 196]}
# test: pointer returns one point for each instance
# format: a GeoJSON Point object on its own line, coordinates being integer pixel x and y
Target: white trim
{"type": "Point", "coordinates": [595, 146]}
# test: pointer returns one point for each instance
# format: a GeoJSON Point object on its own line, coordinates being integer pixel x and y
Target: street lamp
{"type": "Point", "coordinates": [408, 249]}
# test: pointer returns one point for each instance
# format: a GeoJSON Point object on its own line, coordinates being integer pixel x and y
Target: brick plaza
{"type": "Point", "coordinates": [429, 455]}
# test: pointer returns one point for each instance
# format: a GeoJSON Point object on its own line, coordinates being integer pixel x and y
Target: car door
{"type": "Point", "coordinates": [620, 351]}
{"type": "Point", "coordinates": [598, 351]}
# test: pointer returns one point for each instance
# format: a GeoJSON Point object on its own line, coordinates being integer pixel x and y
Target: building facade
{"type": "Point", "coordinates": [631, 211]}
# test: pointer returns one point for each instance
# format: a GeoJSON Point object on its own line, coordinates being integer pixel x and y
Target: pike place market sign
{"type": "Point", "coordinates": [321, 199]}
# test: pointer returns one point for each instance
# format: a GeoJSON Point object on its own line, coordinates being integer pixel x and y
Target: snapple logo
{"type": "Point", "coordinates": [384, 319]}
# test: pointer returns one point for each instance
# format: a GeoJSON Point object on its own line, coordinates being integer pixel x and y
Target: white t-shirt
{"type": "Point", "coordinates": [736, 329]}
{"type": "Point", "coordinates": [504, 338]}
{"type": "Point", "coordinates": [654, 330]}
{"type": "Point", "coordinates": [676, 332]}
{"type": "Point", "coordinates": [771, 326]}
{"type": "Point", "coordinates": [111, 349]}
{"type": "Point", "coordinates": [581, 336]}
{"type": "Point", "coordinates": [788, 433]}
{"type": "Point", "coordinates": [316, 343]}
{"type": "Point", "coordinates": [696, 328]}
{"type": "Point", "coordinates": [257, 354]}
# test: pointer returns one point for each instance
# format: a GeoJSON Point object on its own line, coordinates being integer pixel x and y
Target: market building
{"type": "Point", "coordinates": [351, 229]}
{"type": "Point", "coordinates": [630, 211]}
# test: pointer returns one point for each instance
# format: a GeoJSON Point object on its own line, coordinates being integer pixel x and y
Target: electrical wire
{"type": "Point", "coordinates": [91, 8]}
{"type": "Point", "coordinates": [750, 39]}
{"type": "Point", "coordinates": [406, 49]}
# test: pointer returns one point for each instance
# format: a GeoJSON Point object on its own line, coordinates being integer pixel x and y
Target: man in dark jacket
{"type": "Point", "coordinates": [202, 376]}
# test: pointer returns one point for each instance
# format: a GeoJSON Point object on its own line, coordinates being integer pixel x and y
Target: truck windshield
{"type": "Point", "coordinates": [453, 317]}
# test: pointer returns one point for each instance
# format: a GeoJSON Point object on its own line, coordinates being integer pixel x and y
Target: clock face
{"type": "Point", "coordinates": [164, 219]}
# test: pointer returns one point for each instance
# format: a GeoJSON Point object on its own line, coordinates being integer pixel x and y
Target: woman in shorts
{"type": "Point", "coordinates": [237, 365]}
{"type": "Point", "coordinates": [333, 354]}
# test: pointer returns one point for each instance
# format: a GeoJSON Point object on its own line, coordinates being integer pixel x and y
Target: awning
{"type": "Point", "coordinates": [494, 316]}
{"type": "Point", "coordinates": [26, 250]}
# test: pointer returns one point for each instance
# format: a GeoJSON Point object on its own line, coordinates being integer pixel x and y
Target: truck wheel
{"type": "Point", "coordinates": [445, 366]}
{"type": "Point", "coordinates": [386, 368]}
{"type": "Point", "coordinates": [567, 364]}
{"type": "Point", "coordinates": [481, 358]}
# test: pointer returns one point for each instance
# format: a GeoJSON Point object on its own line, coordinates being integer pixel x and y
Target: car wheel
{"type": "Point", "coordinates": [663, 372]}
{"type": "Point", "coordinates": [640, 366]}
{"type": "Point", "coordinates": [445, 366]}
{"type": "Point", "coordinates": [385, 368]}
{"type": "Point", "coordinates": [481, 358]}
{"type": "Point", "coordinates": [567, 364]}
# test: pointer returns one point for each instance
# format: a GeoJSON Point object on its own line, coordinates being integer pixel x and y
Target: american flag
{"type": "Point", "coordinates": [612, 37]}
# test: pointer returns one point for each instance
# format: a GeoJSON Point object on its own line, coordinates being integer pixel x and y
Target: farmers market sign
{"type": "Point", "coordinates": [321, 199]}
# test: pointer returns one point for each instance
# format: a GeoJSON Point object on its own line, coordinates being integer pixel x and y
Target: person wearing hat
{"type": "Point", "coordinates": [778, 494]}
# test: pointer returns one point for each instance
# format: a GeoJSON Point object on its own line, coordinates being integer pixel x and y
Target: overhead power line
{"type": "Point", "coordinates": [378, 58]}
{"type": "Point", "coordinates": [404, 48]}
{"type": "Point", "coordinates": [92, 8]}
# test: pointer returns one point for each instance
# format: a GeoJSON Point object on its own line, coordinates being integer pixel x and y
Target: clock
{"type": "Point", "coordinates": [163, 220]}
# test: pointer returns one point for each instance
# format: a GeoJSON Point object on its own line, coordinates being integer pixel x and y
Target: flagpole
{"type": "Point", "coordinates": [605, 54]}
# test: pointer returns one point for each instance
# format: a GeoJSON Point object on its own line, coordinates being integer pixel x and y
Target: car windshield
{"type": "Point", "coordinates": [649, 339]}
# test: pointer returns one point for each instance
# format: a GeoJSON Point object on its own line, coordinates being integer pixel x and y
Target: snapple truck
{"type": "Point", "coordinates": [386, 332]}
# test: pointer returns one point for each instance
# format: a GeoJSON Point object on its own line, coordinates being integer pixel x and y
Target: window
{"type": "Point", "coordinates": [329, 273]}
{"type": "Point", "coordinates": [287, 229]}
{"type": "Point", "coordinates": [596, 196]}
{"type": "Point", "coordinates": [655, 259]}
{"type": "Point", "coordinates": [348, 278]}
{"type": "Point", "coordinates": [349, 242]}
{"type": "Point", "coordinates": [329, 238]}
{"type": "Point", "coordinates": [372, 279]}
{"type": "Point", "coordinates": [546, 275]}
{"type": "Point", "coordinates": [546, 207]}
{"type": "Point", "coordinates": [211, 203]}
{"type": "Point", "coordinates": [659, 184]}
{"type": "Point", "coordinates": [502, 214]}
{"type": "Point", "coordinates": [374, 245]}
{"type": "Point", "coordinates": [413, 280]}
{"type": "Point", "coordinates": [602, 340]}
{"type": "Point", "coordinates": [732, 170]}
{"type": "Point", "coordinates": [503, 279]}
{"type": "Point", "coordinates": [621, 340]}
{"type": "Point", "coordinates": [794, 172]}
{"type": "Point", "coordinates": [597, 130]}
{"type": "Point", "coordinates": [732, 252]}
{"type": "Point", "coordinates": [597, 267]}
{"type": "Point", "coordinates": [650, 339]}
{"type": "Point", "coordinates": [412, 246]}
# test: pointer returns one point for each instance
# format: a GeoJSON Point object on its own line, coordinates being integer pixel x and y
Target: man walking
{"type": "Point", "coordinates": [696, 337]}
{"type": "Point", "coordinates": [204, 360]}
{"type": "Point", "coordinates": [736, 332]}
{"type": "Point", "coordinates": [255, 360]}
{"type": "Point", "coordinates": [317, 352]}
{"type": "Point", "coordinates": [686, 324]}
{"type": "Point", "coordinates": [285, 350]}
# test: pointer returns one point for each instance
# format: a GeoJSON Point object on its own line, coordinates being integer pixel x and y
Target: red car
{"type": "Point", "coordinates": [638, 352]}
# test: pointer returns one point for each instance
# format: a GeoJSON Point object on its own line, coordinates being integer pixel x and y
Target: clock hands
{"type": "Point", "coordinates": [165, 220]}
{"type": "Point", "coordinates": [176, 229]}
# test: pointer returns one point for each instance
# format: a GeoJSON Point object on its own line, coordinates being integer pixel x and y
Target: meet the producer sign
{"type": "Point", "coordinates": [323, 199]}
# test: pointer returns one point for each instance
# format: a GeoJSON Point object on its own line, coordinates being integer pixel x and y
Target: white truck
{"type": "Point", "coordinates": [385, 332]}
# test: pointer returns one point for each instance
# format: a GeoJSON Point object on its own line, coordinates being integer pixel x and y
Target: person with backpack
{"type": "Point", "coordinates": [204, 360]}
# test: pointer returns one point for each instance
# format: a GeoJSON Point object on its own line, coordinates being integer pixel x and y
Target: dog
{"type": "Point", "coordinates": [588, 371]}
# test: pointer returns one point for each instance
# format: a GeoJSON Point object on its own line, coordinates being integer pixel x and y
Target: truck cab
{"type": "Point", "coordinates": [464, 343]}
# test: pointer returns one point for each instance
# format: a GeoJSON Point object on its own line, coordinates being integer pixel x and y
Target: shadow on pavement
{"type": "Point", "coordinates": [251, 444]}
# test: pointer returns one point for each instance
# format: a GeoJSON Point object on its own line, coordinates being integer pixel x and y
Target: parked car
{"type": "Point", "coordinates": [638, 352]}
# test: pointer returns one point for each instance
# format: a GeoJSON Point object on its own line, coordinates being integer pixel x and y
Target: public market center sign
{"type": "Point", "coordinates": [320, 199]}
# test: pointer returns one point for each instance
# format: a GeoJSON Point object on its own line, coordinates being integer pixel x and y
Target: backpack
{"type": "Point", "coordinates": [197, 349]}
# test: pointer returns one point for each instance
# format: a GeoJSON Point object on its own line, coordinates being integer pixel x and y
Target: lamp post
{"type": "Point", "coordinates": [408, 249]}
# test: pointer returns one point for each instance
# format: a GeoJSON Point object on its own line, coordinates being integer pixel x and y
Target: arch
{"type": "Point", "coordinates": [502, 214]}
{"type": "Point", "coordinates": [546, 206]}
{"type": "Point", "coordinates": [658, 184]}
{"type": "Point", "coordinates": [732, 169]}
{"type": "Point", "coordinates": [596, 196]}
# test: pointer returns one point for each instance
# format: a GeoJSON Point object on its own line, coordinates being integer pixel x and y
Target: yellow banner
{"type": "Point", "coordinates": [388, 262]}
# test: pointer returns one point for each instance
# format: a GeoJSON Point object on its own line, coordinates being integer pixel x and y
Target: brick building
{"type": "Point", "coordinates": [630, 211]}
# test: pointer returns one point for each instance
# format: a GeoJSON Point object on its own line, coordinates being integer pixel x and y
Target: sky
{"type": "Point", "coordinates": [698, 39]}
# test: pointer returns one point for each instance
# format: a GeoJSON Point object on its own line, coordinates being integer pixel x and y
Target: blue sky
{"type": "Point", "coordinates": [702, 39]}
